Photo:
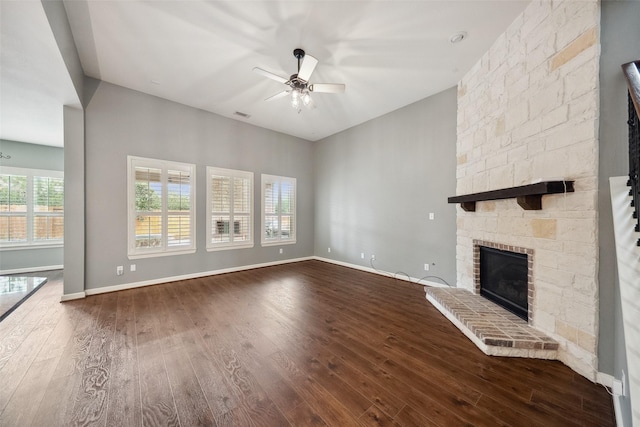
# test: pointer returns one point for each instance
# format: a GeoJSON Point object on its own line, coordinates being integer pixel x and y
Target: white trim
{"type": "Point", "coordinates": [71, 297]}
{"type": "Point", "coordinates": [278, 243]}
{"type": "Point", "coordinates": [164, 166]}
{"type": "Point", "coordinates": [229, 173]}
{"type": "Point", "coordinates": [229, 247]}
{"type": "Point", "coordinates": [159, 254]}
{"type": "Point", "coordinates": [12, 170]}
{"type": "Point", "coordinates": [607, 381]}
{"type": "Point", "coordinates": [617, 410]}
{"type": "Point", "coordinates": [279, 180]}
{"type": "Point", "coordinates": [23, 247]}
{"type": "Point", "coordinates": [32, 269]}
{"type": "Point", "coordinates": [30, 214]}
{"type": "Point", "coordinates": [604, 379]}
{"type": "Point", "coordinates": [381, 272]}
{"type": "Point", "coordinates": [124, 286]}
{"type": "Point", "coordinates": [628, 263]}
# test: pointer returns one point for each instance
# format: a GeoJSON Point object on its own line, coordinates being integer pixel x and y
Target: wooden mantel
{"type": "Point", "coordinates": [529, 197]}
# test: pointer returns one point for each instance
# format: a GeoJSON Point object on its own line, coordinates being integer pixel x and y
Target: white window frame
{"type": "Point", "coordinates": [228, 173]}
{"type": "Point", "coordinates": [31, 242]}
{"type": "Point", "coordinates": [163, 249]}
{"type": "Point", "coordinates": [279, 239]}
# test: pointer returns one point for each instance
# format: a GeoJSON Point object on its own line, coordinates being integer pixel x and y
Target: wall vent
{"type": "Point", "coordinates": [241, 114]}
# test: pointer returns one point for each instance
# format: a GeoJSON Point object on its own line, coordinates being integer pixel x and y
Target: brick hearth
{"type": "Point", "coordinates": [493, 329]}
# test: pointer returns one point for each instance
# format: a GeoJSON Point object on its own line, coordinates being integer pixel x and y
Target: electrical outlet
{"type": "Point", "coordinates": [432, 216]}
{"type": "Point", "coordinates": [362, 255]}
{"type": "Point", "coordinates": [426, 266]}
{"type": "Point", "coordinates": [120, 270]}
{"type": "Point", "coordinates": [281, 250]}
{"type": "Point", "coordinates": [132, 267]}
{"type": "Point", "coordinates": [373, 257]}
{"type": "Point", "coordinates": [329, 250]}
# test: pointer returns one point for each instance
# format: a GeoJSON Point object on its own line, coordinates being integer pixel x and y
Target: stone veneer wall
{"type": "Point", "coordinates": [529, 110]}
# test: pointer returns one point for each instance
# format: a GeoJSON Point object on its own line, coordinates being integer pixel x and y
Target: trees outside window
{"type": "Point", "coordinates": [278, 210]}
{"type": "Point", "coordinates": [161, 207]}
{"type": "Point", "coordinates": [31, 207]}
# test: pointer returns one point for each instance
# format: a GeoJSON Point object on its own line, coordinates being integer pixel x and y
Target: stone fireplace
{"type": "Point", "coordinates": [528, 111]}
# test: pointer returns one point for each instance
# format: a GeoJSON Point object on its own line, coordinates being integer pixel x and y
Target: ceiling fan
{"type": "Point", "coordinates": [299, 86]}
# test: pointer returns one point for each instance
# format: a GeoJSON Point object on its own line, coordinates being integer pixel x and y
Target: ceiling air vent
{"type": "Point", "coordinates": [241, 114]}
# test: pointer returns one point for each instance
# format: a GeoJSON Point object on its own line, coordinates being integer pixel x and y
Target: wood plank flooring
{"type": "Point", "coordinates": [304, 344]}
{"type": "Point", "coordinates": [16, 288]}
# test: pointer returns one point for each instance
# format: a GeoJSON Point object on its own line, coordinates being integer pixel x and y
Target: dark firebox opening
{"type": "Point", "coordinates": [504, 279]}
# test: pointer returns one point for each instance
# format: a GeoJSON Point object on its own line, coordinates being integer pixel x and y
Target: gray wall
{"type": "Point", "coordinates": [121, 122]}
{"type": "Point", "coordinates": [74, 209]}
{"type": "Point", "coordinates": [31, 156]}
{"type": "Point", "coordinates": [377, 183]}
{"type": "Point", "coordinates": [620, 35]}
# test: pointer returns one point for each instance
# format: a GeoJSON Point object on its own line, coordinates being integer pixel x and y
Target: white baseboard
{"type": "Point", "coordinates": [133, 285]}
{"type": "Point", "coordinates": [124, 286]}
{"type": "Point", "coordinates": [607, 380]}
{"type": "Point", "coordinates": [617, 410]}
{"type": "Point", "coordinates": [381, 272]}
{"type": "Point", "coordinates": [31, 269]}
{"type": "Point", "coordinates": [71, 297]}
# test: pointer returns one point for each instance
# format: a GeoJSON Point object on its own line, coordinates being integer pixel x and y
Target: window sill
{"type": "Point", "coordinates": [160, 254]}
{"type": "Point", "coordinates": [278, 242]}
{"type": "Point", "coordinates": [29, 247]}
{"type": "Point", "coordinates": [229, 247]}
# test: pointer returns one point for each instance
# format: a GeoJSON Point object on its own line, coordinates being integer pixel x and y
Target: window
{"type": "Point", "coordinates": [31, 207]}
{"type": "Point", "coordinates": [229, 209]}
{"type": "Point", "coordinates": [278, 210]}
{"type": "Point", "coordinates": [161, 207]}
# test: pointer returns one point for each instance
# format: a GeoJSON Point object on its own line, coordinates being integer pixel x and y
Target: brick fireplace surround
{"type": "Point", "coordinates": [517, 249]}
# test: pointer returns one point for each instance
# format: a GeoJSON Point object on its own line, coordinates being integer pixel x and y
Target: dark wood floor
{"type": "Point", "coordinates": [305, 344]}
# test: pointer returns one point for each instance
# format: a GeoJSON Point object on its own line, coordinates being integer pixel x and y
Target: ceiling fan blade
{"type": "Point", "coordinates": [278, 95]}
{"type": "Point", "coordinates": [308, 65]}
{"type": "Point", "coordinates": [327, 87]}
{"type": "Point", "coordinates": [270, 75]}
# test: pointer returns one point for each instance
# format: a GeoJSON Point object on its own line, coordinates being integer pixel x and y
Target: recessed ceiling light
{"type": "Point", "coordinates": [241, 114]}
{"type": "Point", "coordinates": [458, 37]}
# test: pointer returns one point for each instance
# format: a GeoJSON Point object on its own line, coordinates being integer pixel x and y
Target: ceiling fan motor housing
{"type": "Point", "coordinates": [298, 53]}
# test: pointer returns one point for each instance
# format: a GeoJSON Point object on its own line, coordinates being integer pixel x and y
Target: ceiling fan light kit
{"type": "Point", "coordinates": [299, 86]}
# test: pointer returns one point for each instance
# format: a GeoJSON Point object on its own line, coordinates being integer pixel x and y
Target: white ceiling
{"type": "Point", "coordinates": [34, 82]}
{"type": "Point", "coordinates": [201, 53]}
